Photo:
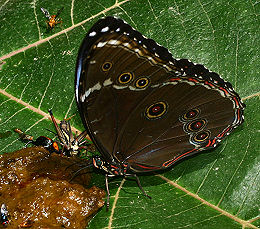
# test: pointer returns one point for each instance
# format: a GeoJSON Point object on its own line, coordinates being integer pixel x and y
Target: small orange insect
{"type": "Point", "coordinates": [53, 20]}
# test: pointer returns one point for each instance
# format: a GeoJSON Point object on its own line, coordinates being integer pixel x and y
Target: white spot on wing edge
{"type": "Point", "coordinates": [105, 29]}
{"type": "Point", "coordinates": [92, 34]}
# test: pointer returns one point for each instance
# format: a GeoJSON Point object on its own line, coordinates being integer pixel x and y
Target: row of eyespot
{"type": "Point", "coordinates": [195, 126]}
{"type": "Point", "coordinates": [127, 77]}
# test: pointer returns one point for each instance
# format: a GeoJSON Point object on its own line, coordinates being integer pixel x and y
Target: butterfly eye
{"type": "Point", "coordinates": [125, 78]}
{"type": "Point", "coordinates": [142, 82]}
{"type": "Point", "coordinates": [200, 137]}
{"type": "Point", "coordinates": [156, 110]}
{"type": "Point", "coordinates": [106, 66]}
{"type": "Point", "coordinates": [195, 126]}
{"type": "Point", "coordinates": [190, 115]}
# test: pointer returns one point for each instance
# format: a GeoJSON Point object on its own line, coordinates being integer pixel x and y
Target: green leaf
{"type": "Point", "coordinates": [217, 189]}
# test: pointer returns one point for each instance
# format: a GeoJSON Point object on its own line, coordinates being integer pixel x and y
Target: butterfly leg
{"type": "Point", "coordinates": [139, 184]}
{"type": "Point", "coordinates": [108, 193]}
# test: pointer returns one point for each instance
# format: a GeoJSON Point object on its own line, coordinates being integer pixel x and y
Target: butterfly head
{"type": "Point", "coordinates": [111, 168]}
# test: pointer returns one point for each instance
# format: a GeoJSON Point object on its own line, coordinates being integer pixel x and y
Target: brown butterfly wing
{"type": "Point", "coordinates": [143, 107]}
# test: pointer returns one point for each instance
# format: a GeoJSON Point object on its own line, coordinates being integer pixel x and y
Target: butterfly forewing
{"type": "Point", "coordinates": [109, 60]}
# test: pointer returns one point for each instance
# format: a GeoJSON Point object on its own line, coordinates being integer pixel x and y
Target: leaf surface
{"type": "Point", "coordinates": [217, 189]}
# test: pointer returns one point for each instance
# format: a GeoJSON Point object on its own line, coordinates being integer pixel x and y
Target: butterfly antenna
{"type": "Point", "coordinates": [75, 163]}
{"type": "Point", "coordinates": [79, 170]}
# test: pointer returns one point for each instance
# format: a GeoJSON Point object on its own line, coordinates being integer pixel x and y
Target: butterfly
{"type": "Point", "coordinates": [71, 145]}
{"type": "Point", "coordinates": [144, 109]}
